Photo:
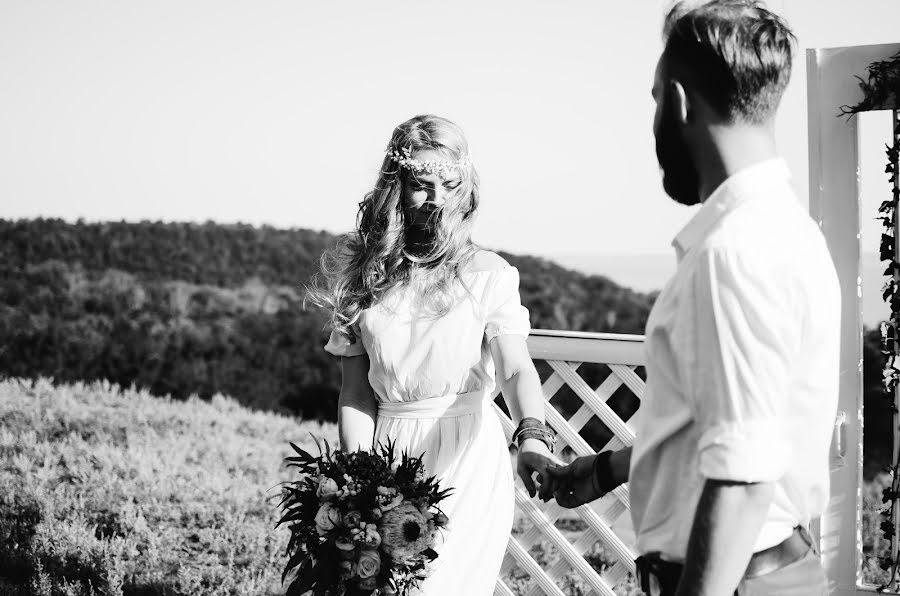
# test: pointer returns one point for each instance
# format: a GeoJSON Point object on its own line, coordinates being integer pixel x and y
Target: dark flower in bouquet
{"type": "Point", "coordinates": [360, 522]}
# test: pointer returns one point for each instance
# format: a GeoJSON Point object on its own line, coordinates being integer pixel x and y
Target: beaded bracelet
{"type": "Point", "coordinates": [532, 428]}
{"type": "Point", "coordinates": [547, 438]}
{"type": "Point", "coordinates": [529, 424]}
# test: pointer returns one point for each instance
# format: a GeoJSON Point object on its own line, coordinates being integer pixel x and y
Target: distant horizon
{"type": "Point", "coordinates": [89, 220]}
{"type": "Point", "coordinates": [649, 272]}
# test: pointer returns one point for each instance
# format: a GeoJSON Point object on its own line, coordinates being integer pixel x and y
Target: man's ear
{"type": "Point", "coordinates": [680, 102]}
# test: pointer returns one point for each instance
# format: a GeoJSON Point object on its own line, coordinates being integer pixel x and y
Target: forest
{"type": "Point", "coordinates": [181, 308]}
{"type": "Point", "coordinates": [184, 308]}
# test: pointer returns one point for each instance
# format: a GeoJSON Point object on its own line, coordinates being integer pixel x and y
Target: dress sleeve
{"type": "Point", "coordinates": [505, 313]}
{"type": "Point", "coordinates": [339, 344]}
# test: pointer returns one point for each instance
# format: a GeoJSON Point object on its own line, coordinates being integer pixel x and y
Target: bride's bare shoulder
{"type": "Point", "coordinates": [486, 260]}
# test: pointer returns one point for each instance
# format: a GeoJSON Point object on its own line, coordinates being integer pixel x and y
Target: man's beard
{"type": "Point", "coordinates": [680, 178]}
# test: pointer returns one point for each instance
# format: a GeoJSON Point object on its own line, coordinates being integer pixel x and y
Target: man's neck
{"type": "Point", "coordinates": [729, 150]}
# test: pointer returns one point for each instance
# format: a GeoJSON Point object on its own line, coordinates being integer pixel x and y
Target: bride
{"type": "Point", "coordinates": [425, 324]}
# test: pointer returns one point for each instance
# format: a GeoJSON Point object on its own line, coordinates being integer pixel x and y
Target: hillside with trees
{"type": "Point", "coordinates": [180, 308]}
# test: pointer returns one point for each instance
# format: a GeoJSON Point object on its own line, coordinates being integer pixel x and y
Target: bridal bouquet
{"type": "Point", "coordinates": [360, 522]}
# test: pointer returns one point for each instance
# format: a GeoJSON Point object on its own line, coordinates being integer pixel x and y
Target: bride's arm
{"type": "Point", "coordinates": [521, 388]}
{"type": "Point", "coordinates": [356, 405]}
{"type": "Point", "coordinates": [517, 377]}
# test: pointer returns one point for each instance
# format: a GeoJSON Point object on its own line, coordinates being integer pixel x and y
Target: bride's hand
{"type": "Point", "coordinates": [535, 457]}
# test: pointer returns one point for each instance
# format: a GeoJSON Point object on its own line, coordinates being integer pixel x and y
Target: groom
{"type": "Point", "coordinates": [730, 461]}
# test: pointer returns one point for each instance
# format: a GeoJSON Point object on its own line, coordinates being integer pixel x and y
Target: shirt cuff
{"type": "Point", "coordinates": [750, 451]}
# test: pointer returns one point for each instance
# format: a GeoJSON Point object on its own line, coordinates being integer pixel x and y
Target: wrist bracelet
{"type": "Point", "coordinates": [528, 424]}
{"type": "Point", "coordinates": [532, 428]}
{"type": "Point", "coordinates": [544, 436]}
{"type": "Point", "coordinates": [602, 476]}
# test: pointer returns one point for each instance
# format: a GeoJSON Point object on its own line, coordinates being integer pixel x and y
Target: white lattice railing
{"type": "Point", "coordinates": [565, 352]}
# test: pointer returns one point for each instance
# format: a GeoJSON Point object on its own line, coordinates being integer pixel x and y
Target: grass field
{"type": "Point", "coordinates": [115, 492]}
{"type": "Point", "coordinates": [118, 492]}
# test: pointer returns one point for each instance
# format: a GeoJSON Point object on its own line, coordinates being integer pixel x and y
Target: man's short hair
{"type": "Point", "coordinates": [735, 53]}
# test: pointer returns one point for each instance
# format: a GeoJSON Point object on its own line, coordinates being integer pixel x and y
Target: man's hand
{"type": "Point", "coordinates": [534, 457]}
{"type": "Point", "coordinates": [574, 485]}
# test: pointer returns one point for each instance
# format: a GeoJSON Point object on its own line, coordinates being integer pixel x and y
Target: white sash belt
{"type": "Point", "coordinates": [445, 406]}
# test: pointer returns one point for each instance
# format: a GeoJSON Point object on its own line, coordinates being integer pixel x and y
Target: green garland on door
{"type": "Point", "coordinates": [880, 90]}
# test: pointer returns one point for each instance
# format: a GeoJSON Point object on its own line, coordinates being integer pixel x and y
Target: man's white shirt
{"type": "Point", "coordinates": [742, 351]}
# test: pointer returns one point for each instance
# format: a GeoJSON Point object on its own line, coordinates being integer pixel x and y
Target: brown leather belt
{"type": "Point", "coordinates": [667, 574]}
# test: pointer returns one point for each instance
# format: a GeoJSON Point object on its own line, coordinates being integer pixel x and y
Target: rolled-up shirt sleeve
{"type": "Point", "coordinates": [745, 334]}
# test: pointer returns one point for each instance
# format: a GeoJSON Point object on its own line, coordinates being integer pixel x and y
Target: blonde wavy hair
{"type": "Point", "coordinates": [377, 257]}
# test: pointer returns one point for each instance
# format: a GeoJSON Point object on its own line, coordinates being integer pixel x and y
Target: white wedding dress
{"type": "Point", "coordinates": [433, 379]}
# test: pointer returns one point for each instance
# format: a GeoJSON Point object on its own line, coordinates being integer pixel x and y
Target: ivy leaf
{"type": "Point", "coordinates": [887, 247]}
{"type": "Point", "coordinates": [887, 529]}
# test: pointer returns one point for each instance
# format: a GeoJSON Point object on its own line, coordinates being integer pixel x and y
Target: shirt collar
{"type": "Point", "coordinates": [728, 195]}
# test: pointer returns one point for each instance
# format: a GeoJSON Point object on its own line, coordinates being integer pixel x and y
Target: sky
{"type": "Point", "coordinates": [271, 112]}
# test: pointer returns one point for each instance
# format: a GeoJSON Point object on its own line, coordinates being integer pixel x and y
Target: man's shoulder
{"type": "Point", "coordinates": [770, 227]}
{"type": "Point", "coordinates": [785, 250]}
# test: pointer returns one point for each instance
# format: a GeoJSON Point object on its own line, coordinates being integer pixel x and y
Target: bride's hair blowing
{"type": "Point", "coordinates": [378, 255]}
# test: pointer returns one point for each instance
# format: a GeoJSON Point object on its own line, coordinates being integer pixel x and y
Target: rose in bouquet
{"type": "Point", "coordinates": [360, 522]}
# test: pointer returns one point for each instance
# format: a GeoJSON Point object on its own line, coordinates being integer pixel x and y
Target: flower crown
{"type": "Point", "coordinates": [441, 167]}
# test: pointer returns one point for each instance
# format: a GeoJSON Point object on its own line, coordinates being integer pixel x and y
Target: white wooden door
{"type": "Point", "coordinates": [834, 189]}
